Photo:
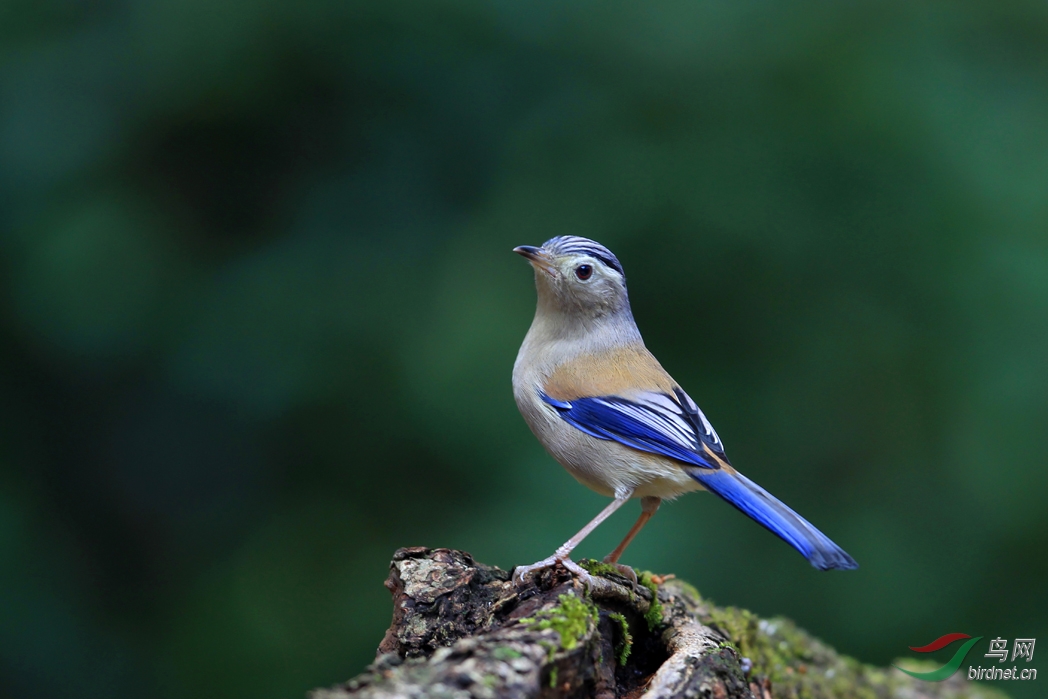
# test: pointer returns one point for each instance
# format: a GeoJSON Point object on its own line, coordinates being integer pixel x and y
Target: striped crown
{"type": "Point", "coordinates": [576, 245]}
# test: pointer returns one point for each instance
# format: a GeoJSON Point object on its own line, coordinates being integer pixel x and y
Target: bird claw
{"type": "Point", "coordinates": [574, 568]}
{"type": "Point", "coordinates": [624, 570]}
{"type": "Point", "coordinates": [581, 573]}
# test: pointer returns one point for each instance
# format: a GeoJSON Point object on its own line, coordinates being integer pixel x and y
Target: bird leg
{"type": "Point", "coordinates": [649, 505]}
{"type": "Point", "coordinates": [561, 555]}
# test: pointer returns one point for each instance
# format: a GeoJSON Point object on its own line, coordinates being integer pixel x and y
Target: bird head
{"type": "Point", "coordinates": [577, 276]}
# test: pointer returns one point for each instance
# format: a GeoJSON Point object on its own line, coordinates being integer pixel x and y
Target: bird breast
{"type": "Point", "coordinates": [605, 466]}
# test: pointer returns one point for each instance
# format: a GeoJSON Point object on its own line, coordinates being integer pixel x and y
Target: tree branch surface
{"type": "Point", "coordinates": [463, 630]}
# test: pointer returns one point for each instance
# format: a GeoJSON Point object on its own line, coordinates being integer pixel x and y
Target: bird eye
{"type": "Point", "coordinates": [584, 272]}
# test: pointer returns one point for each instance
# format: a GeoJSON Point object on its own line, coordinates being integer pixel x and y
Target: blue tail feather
{"type": "Point", "coordinates": [762, 506]}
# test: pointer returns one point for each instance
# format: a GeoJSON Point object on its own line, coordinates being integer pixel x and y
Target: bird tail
{"type": "Point", "coordinates": [762, 506]}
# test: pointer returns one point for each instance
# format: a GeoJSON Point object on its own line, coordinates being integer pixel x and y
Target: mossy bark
{"type": "Point", "coordinates": [463, 630]}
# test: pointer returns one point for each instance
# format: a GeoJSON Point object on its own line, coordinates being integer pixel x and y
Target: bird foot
{"type": "Point", "coordinates": [624, 570]}
{"type": "Point", "coordinates": [574, 568]}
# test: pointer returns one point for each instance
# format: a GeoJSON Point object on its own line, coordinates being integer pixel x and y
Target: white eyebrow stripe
{"type": "Point", "coordinates": [576, 245]}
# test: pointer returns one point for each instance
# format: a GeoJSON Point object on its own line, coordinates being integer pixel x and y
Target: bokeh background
{"type": "Point", "coordinates": [258, 313]}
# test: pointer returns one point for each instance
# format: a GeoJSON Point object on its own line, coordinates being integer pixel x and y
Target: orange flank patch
{"type": "Point", "coordinates": [720, 461]}
{"type": "Point", "coordinates": [621, 372]}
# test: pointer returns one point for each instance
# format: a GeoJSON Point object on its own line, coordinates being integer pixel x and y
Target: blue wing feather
{"type": "Point", "coordinates": [655, 428]}
{"type": "Point", "coordinates": [674, 427]}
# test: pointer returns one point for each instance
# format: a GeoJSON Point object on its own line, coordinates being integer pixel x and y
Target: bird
{"type": "Point", "coordinates": [605, 409]}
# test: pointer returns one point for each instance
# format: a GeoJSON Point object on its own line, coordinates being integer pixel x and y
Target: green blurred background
{"type": "Point", "coordinates": [258, 313]}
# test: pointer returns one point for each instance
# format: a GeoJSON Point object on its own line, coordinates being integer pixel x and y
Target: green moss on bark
{"type": "Point", "coordinates": [572, 619]}
{"type": "Point", "coordinates": [625, 642]}
{"type": "Point", "coordinates": [802, 667]}
{"type": "Point", "coordinates": [594, 567]}
{"type": "Point", "coordinates": [654, 613]}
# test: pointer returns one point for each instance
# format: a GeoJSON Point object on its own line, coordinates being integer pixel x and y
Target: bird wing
{"type": "Point", "coordinates": [669, 424]}
{"type": "Point", "coordinates": [672, 425]}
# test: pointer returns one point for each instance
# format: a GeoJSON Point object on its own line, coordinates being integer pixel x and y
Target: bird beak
{"type": "Point", "coordinates": [538, 258]}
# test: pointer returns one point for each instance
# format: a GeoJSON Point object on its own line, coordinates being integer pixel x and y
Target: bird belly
{"type": "Point", "coordinates": [605, 466]}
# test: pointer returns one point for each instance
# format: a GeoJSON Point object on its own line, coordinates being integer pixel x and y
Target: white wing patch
{"type": "Point", "coordinates": [661, 413]}
{"type": "Point", "coordinates": [711, 434]}
{"type": "Point", "coordinates": [660, 423]}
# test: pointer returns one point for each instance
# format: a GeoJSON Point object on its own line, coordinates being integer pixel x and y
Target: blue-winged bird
{"type": "Point", "coordinates": [604, 407]}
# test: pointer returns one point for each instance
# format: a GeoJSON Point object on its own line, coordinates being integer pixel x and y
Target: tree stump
{"type": "Point", "coordinates": [464, 630]}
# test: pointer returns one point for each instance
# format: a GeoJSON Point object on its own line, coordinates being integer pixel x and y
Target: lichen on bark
{"type": "Point", "coordinates": [462, 630]}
